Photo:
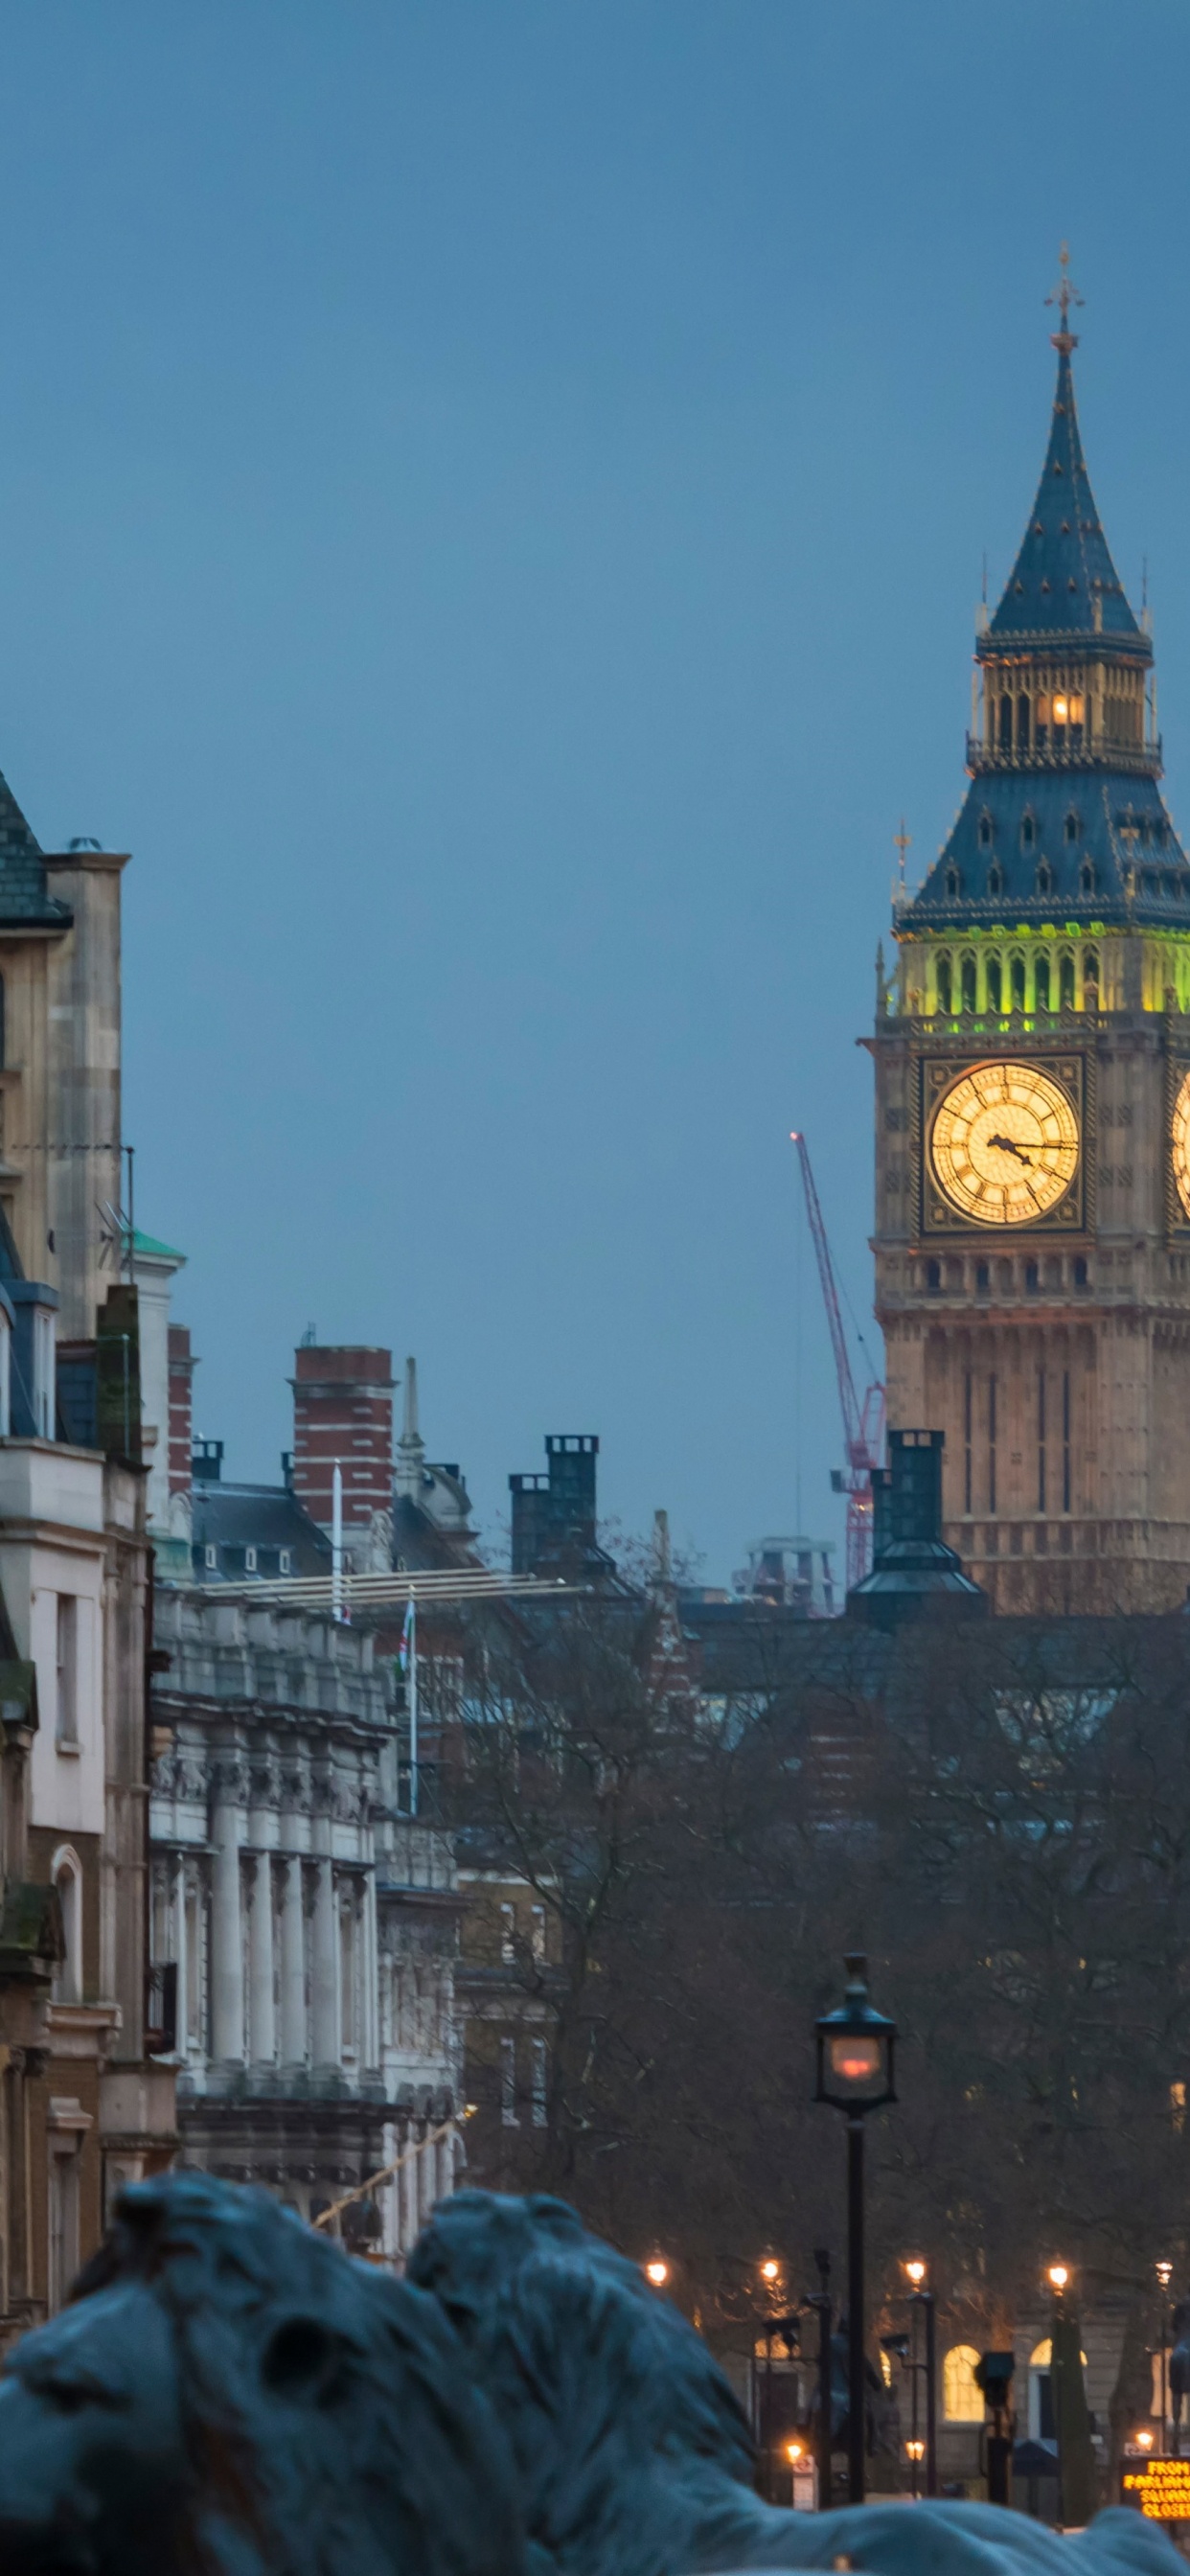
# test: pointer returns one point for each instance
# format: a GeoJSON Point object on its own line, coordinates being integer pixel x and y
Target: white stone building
{"type": "Point", "coordinates": [304, 1933]}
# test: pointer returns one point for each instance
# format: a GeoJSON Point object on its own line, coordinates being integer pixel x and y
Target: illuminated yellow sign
{"type": "Point", "coordinates": [1161, 2488]}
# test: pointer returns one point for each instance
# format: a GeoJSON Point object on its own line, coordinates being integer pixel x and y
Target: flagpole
{"type": "Point", "coordinates": [413, 1708]}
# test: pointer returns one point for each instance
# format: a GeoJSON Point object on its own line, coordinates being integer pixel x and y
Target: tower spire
{"type": "Point", "coordinates": [411, 1448]}
{"type": "Point", "coordinates": [1064, 295]}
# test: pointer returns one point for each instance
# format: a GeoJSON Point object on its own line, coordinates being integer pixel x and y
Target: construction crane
{"type": "Point", "coordinates": [863, 1425]}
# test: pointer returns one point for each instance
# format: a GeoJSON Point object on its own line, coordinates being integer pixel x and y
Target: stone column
{"type": "Point", "coordinates": [180, 1951]}
{"type": "Point", "coordinates": [293, 1967]}
{"type": "Point", "coordinates": [262, 2019]}
{"type": "Point", "coordinates": [324, 1968]}
{"type": "Point", "coordinates": [408, 2182]}
{"type": "Point", "coordinates": [227, 1942]}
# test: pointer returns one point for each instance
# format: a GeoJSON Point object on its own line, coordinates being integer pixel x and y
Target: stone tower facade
{"type": "Point", "coordinates": [1032, 1053]}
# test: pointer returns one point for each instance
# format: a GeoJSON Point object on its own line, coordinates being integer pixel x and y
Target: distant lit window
{"type": "Point", "coordinates": [962, 2397]}
{"type": "Point", "coordinates": [249, 1560]}
{"type": "Point", "coordinates": [508, 2083]}
{"type": "Point", "coordinates": [508, 1934]}
{"type": "Point", "coordinates": [286, 1560]}
{"type": "Point", "coordinates": [210, 1558]}
{"type": "Point", "coordinates": [540, 2112]}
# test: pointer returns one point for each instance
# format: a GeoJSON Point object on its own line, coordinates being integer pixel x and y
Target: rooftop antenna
{"type": "Point", "coordinates": [1064, 295]}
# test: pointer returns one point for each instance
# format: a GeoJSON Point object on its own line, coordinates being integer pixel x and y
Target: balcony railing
{"type": "Point", "coordinates": [1063, 751]}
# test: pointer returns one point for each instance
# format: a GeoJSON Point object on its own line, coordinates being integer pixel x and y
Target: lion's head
{"type": "Point", "coordinates": [229, 2394]}
{"type": "Point", "coordinates": [615, 2408]}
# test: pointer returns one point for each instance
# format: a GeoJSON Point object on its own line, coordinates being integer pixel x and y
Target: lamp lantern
{"type": "Point", "coordinates": [855, 2048]}
{"type": "Point", "coordinates": [657, 2272]}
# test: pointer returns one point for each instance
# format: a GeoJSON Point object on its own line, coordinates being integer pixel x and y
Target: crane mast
{"type": "Point", "coordinates": [863, 1425]}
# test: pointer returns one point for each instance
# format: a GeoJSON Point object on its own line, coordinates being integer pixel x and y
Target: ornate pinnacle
{"type": "Point", "coordinates": [1064, 295]}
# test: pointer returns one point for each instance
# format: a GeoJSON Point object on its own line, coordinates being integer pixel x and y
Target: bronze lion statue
{"type": "Point", "coordinates": [632, 2455]}
{"type": "Point", "coordinates": [227, 2394]}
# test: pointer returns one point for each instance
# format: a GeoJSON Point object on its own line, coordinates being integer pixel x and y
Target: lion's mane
{"type": "Point", "coordinates": [331, 2420]}
{"type": "Point", "coordinates": [633, 2455]}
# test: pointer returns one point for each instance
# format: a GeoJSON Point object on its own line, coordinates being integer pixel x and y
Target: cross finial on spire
{"type": "Point", "coordinates": [1064, 295]}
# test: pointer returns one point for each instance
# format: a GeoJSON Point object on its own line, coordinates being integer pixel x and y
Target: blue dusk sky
{"type": "Point", "coordinates": [492, 498]}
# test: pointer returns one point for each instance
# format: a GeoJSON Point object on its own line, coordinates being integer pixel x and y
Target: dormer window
{"type": "Point", "coordinates": [995, 878]}
{"type": "Point", "coordinates": [952, 881]}
{"type": "Point", "coordinates": [1045, 877]}
{"type": "Point", "coordinates": [1086, 878]}
{"type": "Point", "coordinates": [985, 831]}
{"type": "Point", "coordinates": [1070, 827]}
{"type": "Point", "coordinates": [1027, 833]}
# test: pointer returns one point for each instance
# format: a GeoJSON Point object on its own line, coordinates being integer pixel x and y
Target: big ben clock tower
{"type": "Point", "coordinates": [1033, 1098]}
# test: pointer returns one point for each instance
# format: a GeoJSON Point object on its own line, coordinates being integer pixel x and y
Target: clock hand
{"type": "Point", "coordinates": [1008, 1145]}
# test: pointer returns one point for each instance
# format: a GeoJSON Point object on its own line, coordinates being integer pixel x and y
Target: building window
{"type": "Point", "coordinates": [962, 2397]}
{"type": "Point", "coordinates": [1006, 723]}
{"type": "Point", "coordinates": [286, 1561]}
{"type": "Point", "coordinates": [1045, 878]}
{"type": "Point", "coordinates": [539, 1932]}
{"type": "Point", "coordinates": [1091, 969]}
{"type": "Point", "coordinates": [1066, 983]}
{"type": "Point", "coordinates": [933, 1277]}
{"type": "Point", "coordinates": [67, 1877]}
{"type": "Point", "coordinates": [1086, 877]}
{"type": "Point", "coordinates": [508, 1934]}
{"type": "Point", "coordinates": [952, 881]}
{"type": "Point", "coordinates": [968, 974]}
{"type": "Point", "coordinates": [982, 1284]}
{"type": "Point", "coordinates": [1043, 984]}
{"type": "Point", "coordinates": [249, 1560]}
{"type": "Point", "coordinates": [66, 1721]}
{"type": "Point", "coordinates": [210, 1557]}
{"type": "Point", "coordinates": [995, 878]}
{"type": "Point", "coordinates": [1080, 1270]}
{"type": "Point", "coordinates": [63, 2217]}
{"type": "Point", "coordinates": [944, 984]}
{"type": "Point", "coordinates": [508, 2115]}
{"type": "Point", "coordinates": [1032, 1278]}
{"type": "Point", "coordinates": [1022, 723]}
{"type": "Point", "coordinates": [1027, 833]}
{"type": "Point", "coordinates": [985, 831]}
{"type": "Point", "coordinates": [540, 2111]}
{"type": "Point", "coordinates": [1017, 979]}
{"type": "Point", "coordinates": [994, 989]}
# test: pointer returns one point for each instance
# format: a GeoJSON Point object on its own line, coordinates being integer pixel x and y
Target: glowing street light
{"type": "Point", "coordinates": [770, 2270]}
{"type": "Point", "coordinates": [793, 2452]}
{"type": "Point", "coordinates": [657, 2272]}
{"type": "Point", "coordinates": [915, 2272]}
{"type": "Point", "coordinates": [1143, 2440]}
{"type": "Point", "coordinates": [856, 2046]}
{"type": "Point", "coordinates": [1058, 2276]}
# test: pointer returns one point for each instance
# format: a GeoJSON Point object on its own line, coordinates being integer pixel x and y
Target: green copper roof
{"type": "Point", "coordinates": [1064, 582]}
{"type": "Point", "coordinates": [154, 1251]}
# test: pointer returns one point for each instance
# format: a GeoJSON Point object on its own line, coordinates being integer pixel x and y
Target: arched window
{"type": "Point", "coordinates": [968, 983]}
{"type": "Point", "coordinates": [1091, 967]}
{"type": "Point", "coordinates": [1022, 723]}
{"type": "Point", "coordinates": [944, 984]}
{"type": "Point", "coordinates": [933, 1276]}
{"type": "Point", "coordinates": [1017, 974]}
{"type": "Point", "coordinates": [952, 881]}
{"type": "Point", "coordinates": [1043, 984]}
{"type": "Point", "coordinates": [995, 878]}
{"type": "Point", "coordinates": [962, 2397]}
{"type": "Point", "coordinates": [1071, 827]}
{"type": "Point", "coordinates": [1066, 981]}
{"type": "Point", "coordinates": [1045, 877]}
{"type": "Point", "coordinates": [993, 984]}
{"type": "Point", "coordinates": [1027, 832]}
{"type": "Point", "coordinates": [985, 831]}
{"type": "Point", "coordinates": [1086, 877]}
{"type": "Point", "coordinates": [66, 1873]}
{"type": "Point", "coordinates": [1005, 723]}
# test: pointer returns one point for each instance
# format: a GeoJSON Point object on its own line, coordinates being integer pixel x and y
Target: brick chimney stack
{"type": "Point", "coordinates": [181, 1366]}
{"type": "Point", "coordinates": [343, 1410]}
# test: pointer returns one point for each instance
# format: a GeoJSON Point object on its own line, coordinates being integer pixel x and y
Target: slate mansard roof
{"type": "Point", "coordinates": [1082, 835]}
{"type": "Point", "coordinates": [24, 897]}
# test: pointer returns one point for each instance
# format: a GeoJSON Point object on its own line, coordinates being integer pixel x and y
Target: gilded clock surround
{"type": "Point", "coordinates": [1063, 1072]}
{"type": "Point", "coordinates": [1005, 1143]}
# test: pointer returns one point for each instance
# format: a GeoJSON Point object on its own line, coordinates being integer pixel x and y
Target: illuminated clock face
{"type": "Point", "coordinates": [1180, 1144]}
{"type": "Point", "coordinates": [1005, 1140]}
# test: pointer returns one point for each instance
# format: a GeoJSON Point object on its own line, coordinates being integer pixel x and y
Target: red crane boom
{"type": "Point", "coordinates": [863, 1425]}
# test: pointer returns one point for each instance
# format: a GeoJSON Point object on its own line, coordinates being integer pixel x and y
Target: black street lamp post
{"type": "Point", "coordinates": [821, 2300]}
{"type": "Point", "coordinates": [855, 2075]}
